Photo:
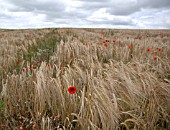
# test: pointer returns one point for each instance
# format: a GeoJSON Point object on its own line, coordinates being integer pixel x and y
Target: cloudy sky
{"type": "Point", "coordinates": [138, 14]}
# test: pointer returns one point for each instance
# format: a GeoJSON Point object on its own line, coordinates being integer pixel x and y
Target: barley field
{"type": "Point", "coordinates": [84, 79]}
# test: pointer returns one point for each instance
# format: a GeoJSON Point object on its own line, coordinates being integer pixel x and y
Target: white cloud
{"type": "Point", "coordinates": [100, 15]}
{"type": "Point", "coordinates": [152, 18]}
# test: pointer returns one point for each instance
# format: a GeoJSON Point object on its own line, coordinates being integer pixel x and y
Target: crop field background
{"type": "Point", "coordinates": [84, 79]}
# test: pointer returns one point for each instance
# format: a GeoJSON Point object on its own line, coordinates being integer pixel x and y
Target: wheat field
{"type": "Point", "coordinates": [122, 79]}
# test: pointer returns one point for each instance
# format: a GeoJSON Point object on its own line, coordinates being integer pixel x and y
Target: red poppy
{"type": "Point", "coordinates": [21, 128]}
{"type": "Point", "coordinates": [17, 62]}
{"type": "Point", "coordinates": [25, 69]}
{"type": "Point", "coordinates": [134, 64]}
{"type": "Point", "coordinates": [159, 49]}
{"type": "Point", "coordinates": [129, 47]}
{"type": "Point", "coordinates": [61, 67]}
{"type": "Point", "coordinates": [155, 58]}
{"type": "Point", "coordinates": [32, 67]}
{"type": "Point", "coordinates": [57, 117]}
{"type": "Point", "coordinates": [48, 65]}
{"type": "Point", "coordinates": [105, 45]}
{"type": "Point", "coordinates": [3, 126]}
{"type": "Point", "coordinates": [107, 40]}
{"type": "Point", "coordinates": [34, 126]}
{"type": "Point", "coordinates": [114, 40]}
{"type": "Point", "coordinates": [72, 89]}
{"type": "Point", "coordinates": [148, 49]}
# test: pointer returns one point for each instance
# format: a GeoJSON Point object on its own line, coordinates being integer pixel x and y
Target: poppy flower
{"type": "Point", "coordinates": [32, 67]}
{"type": "Point", "coordinates": [25, 69]}
{"type": "Point", "coordinates": [48, 65]}
{"type": "Point", "coordinates": [105, 45]}
{"type": "Point", "coordinates": [57, 117]}
{"type": "Point", "coordinates": [114, 40]}
{"type": "Point", "coordinates": [17, 62]}
{"type": "Point", "coordinates": [107, 40]}
{"type": "Point", "coordinates": [61, 67]}
{"type": "Point", "coordinates": [159, 49]}
{"type": "Point", "coordinates": [155, 58]}
{"type": "Point", "coordinates": [21, 128]}
{"type": "Point", "coordinates": [134, 65]}
{"type": "Point", "coordinates": [3, 126]}
{"type": "Point", "coordinates": [129, 47]}
{"type": "Point", "coordinates": [148, 49]}
{"type": "Point", "coordinates": [72, 89]}
{"type": "Point", "coordinates": [34, 126]}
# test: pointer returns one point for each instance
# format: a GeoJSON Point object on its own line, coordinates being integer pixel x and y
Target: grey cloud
{"type": "Point", "coordinates": [113, 7]}
{"type": "Point", "coordinates": [130, 7]}
{"type": "Point", "coordinates": [4, 16]}
{"type": "Point", "coordinates": [123, 7]}
{"type": "Point", "coordinates": [37, 6]}
{"type": "Point", "coordinates": [52, 10]}
{"type": "Point", "coordinates": [66, 16]}
{"type": "Point", "coordinates": [154, 3]}
{"type": "Point", "coordinates": [102, 1]}
{"type": "Point", "coordinates": [124, 10]}
{"type": "Point", "coordinates": [93, 6]}
{"type": "Point", "coordinates": [114, 22]}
